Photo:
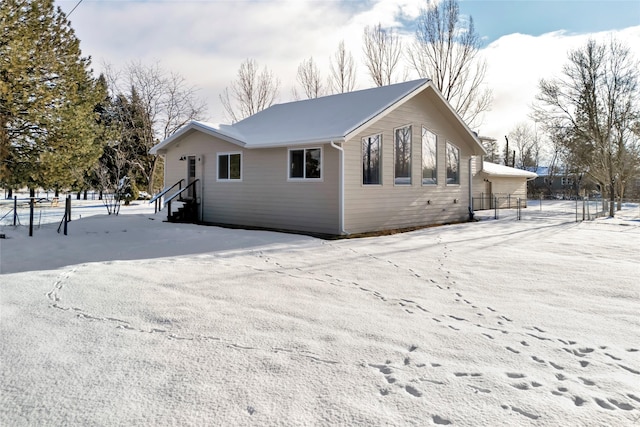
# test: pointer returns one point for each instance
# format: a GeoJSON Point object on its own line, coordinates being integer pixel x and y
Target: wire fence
{"type": "Point", "coordinates": [54, 213]}
{"type": "Point", "coordinates": [566, 210]}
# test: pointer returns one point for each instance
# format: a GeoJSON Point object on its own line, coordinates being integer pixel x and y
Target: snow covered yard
{"type": "Point", "coordinates": [132, 321]}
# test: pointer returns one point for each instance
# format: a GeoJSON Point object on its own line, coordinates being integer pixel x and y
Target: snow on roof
{"type": "Point", "coordinates": [312, 121]}
{"type": "Point", "coordinates": [506, 171]}
{"type": "Point", "coordinates": [329, 118]}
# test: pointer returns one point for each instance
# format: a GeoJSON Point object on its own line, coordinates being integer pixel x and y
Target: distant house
{"type": "Point", "coordinates": [385, 158]}
{"type": "Point", "coordinates": [561, 184]}
{"type": "Point", "coordinates": [502, 184]}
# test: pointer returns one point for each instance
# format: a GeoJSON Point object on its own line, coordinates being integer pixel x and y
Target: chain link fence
{"type": "Point", "coordinates": [508, 207]}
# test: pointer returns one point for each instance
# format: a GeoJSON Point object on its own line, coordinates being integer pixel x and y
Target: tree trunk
{"type": "Point", "coordinates": [10, 194]}
{"type": "Point", "coordinates": [84, 196]}
{"type": "Point", "coordinates": [32, 192]}
{"type": "Point", "coordinates": [612, 198]}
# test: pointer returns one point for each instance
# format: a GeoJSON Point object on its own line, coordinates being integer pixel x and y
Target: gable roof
{"type": "Point", "coordinates": [313, 121]}
{"type": "Point", "coordinates": [493, 169]}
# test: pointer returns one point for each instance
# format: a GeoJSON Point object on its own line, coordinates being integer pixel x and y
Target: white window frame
{"type": "Point", "coordinates": [395, 177]}
{"type": "Point", "coordinates": [447, 164]}
{"type": "Point", "coordinates": [379, 135]}
{"type": "Point", "coordinates": [229, 154]}
{"type": "Point", "coordinates": [437, 138]}
{"type": "Point", "coordinates": [304, 168]}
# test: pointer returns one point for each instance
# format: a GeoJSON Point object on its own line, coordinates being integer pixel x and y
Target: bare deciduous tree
{"type": "Point", "coordinates": [309, 79]}
{"type": "Point", "coordinates": [382, 50]}
{"type": "Point", "coordinates": [447, 52]}
{"type": "Point", "coordinates": [166, 102]}
{"type": "Point", "coordinates": [527, 146]}
{"type": "Point", "coordinates": [342, 78]}
{"type": "Point", "coordinates": [595, 103]}
{"type": "Point", "coordinates": [253, 91]}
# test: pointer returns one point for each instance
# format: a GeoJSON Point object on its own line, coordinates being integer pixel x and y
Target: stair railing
{"type": "Point", "coordinates": [176, 194]}
{"type": "Point", "coordinates": [158, 197]}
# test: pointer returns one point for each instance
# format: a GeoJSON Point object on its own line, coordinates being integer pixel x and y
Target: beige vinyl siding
{"type": "Point", "coordinates": [389, 206]}
{"type": "Point", "coordinates": [508, 190]}
{"type": "Point", "coordinates": [264, 197]}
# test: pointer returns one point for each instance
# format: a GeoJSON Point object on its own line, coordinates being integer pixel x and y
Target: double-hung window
{"type": "Point", "coordinates": [371, 150]}
{"type": "Point", "coordinates": [402, 155]}
{"type": "Point", "coordinates": [230, 167]}
{"type": "Point", "coordinates": [429, 158]}
{"type": "Point", "coordinates": [305, 163]}
{"type": "Point", "coordinates": [453, 164]}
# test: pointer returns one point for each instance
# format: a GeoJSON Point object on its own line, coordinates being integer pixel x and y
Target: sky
{"type": "Point", "coordinates": [129, 320]}
{"type": "Point", "coordinates": [206, 41]}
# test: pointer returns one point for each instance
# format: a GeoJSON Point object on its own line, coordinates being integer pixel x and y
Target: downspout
{"type": "Point", "coordinates": [341, 189]}
{"type": "Point", "coordinates": [470, 190]}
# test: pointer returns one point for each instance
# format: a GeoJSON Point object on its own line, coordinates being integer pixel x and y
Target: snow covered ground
{"type": "Point", "coordinates": [132, 321]}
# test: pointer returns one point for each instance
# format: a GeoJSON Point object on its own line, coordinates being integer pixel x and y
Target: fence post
{"type": "Point", "coordinates": [495, 207]}
{"type": "Point", "coordinates": [31, 205]}
{"type": "Point", "coordinates": [67, 208]}
{"type": "Point", "coordinates": [67, 213]}
{"type": "Point", "coordinates": [15, 210]}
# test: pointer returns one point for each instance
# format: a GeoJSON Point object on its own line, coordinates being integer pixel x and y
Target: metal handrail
{"type": "Point", "coordinates": [162, 193]}
{"type": "Point", "coordinates": [165, 191]}
{"type": "Point", "coordinates": [176, 194]}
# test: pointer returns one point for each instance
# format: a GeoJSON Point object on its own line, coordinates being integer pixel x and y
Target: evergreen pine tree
{"type": "Point", "coordinates": [47, 98]}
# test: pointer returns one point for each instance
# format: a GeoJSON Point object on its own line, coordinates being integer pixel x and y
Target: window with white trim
{"type": "Point", "coordinates": [429, 157]}
{"type": "Point", "coordinates": [402, 170]}
{"type": "Point", "coordinates": [305, 163]}
{"type": "Point", "coordinates": [453, 164]}
{"type": "Point", "coordinates": [229, 166]}
{"type": "Point", "coordinates": [371, 150]}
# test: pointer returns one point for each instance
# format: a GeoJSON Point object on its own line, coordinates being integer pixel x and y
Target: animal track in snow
{"type": "Point", "coordinates": [440, 421]}
{"type": "Point", "coordinates": [479, 389]}
{"type": "Point", "coordinates": [515, 375]}
{"type": "Point", "coordinates": [525, 413]}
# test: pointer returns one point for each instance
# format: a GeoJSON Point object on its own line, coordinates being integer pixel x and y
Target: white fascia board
{"type": "Point", "coordinates": [194, 125]}
{"type": "Point", "coordinates": [280, 144]}
{"type": "Point", "coordinates": [459, 119]}
{"type": "Point", "coordinates": [384, 111]}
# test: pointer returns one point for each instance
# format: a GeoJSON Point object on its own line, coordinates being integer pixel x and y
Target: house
{"type": "Point", "coordinates": [391, 157]}
{"type": "Point", "coordinates": [502, 184]}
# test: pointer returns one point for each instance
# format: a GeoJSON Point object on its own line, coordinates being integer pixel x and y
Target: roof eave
{"type": "Point", "coordinates": [383, 111]}
{"type": "Point", "coordinates": [161, 147]}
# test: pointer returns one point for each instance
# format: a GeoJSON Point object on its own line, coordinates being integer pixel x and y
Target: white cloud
{"type": "Point", "coordinates": [517, 62]}
{"type": "Point", "coordinates": [206, 42]}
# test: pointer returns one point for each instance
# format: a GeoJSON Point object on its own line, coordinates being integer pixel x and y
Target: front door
{"type": "Point", "coordinates": [191, 176]}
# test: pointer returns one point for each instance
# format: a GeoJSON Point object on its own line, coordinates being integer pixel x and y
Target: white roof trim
{"type": "Point", "coordinates": [207, 128]}
{"type": "Point", "coordinates": [316, 121]}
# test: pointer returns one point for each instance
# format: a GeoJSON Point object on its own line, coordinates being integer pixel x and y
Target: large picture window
{"type": "Point", "coordinates": [429, 157]}
{"type": "Point", "coordinates": [403, 155]}
{"type": "Point", "coordinates": [229, 166]}
{"type": "Point", "coordinates": [453, 164]}
{"type": "Point", "coordinates": [305, 163]}
{"type": "Point", "coordinates": [371, 149]}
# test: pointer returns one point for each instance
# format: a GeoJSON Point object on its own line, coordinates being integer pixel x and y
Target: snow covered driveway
{"type": "Point", "coordinates": [129, 321]}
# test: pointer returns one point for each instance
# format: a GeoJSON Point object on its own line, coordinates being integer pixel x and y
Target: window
{"type": "Point", "coordinates": [453, 164]}
{"type": "Point", "coordinates": [305, 163]}
{"type": "Point", "coordinates": [429, 158]}
{"type": "Point", "coordinates": [403, 155]}
{"type": "Point", "coordinates": [371, 149]}
{"type": "Point", "coordinates": [229, 166]}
